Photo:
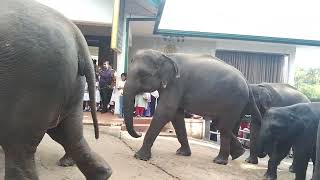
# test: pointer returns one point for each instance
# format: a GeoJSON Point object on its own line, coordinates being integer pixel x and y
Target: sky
{"type": "Point", "coordinates": [100, 11]}
{"type": "Point", "coordinates": [307, 57]}
{"type": "Point", "coordinates": [285, 18]}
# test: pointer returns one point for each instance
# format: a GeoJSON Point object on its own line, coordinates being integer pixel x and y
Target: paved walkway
{"type": "Point", "coordinates": [117, 148]}
{"type": "Point", "coordinates": [103, 118]}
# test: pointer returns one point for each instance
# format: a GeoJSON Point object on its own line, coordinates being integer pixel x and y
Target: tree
{"type": "Point", "coordinates": [308, 82]}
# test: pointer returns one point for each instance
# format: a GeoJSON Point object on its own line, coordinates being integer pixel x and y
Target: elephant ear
{"type": "Point", "coordinates": [175, 65]}
{"type": "Point", "coordinates": [167, 70]}
{"type": "Point", "coordinates": [297, 125]}
{"type": "Point", "coordinates": [265, 98]}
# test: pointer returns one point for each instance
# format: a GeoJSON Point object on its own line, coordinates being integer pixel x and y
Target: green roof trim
{"type": "Point", "coordinates": [155, 2]}
{"type": "Point", "coordinates": [169, 32]}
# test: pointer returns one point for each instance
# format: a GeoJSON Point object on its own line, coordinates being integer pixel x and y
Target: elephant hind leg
{"type": "Point", "coordinates": [19, 162]}
{"type": "Point", "coordinates": [229, 143]}
{"type": "Point", "coordinates": [69, 133]}
{"type": "Point", "coordinates": [236, 149]}
{"type": "Point", "coordinates": [222, 158]}
{"type": "Point", "coordinates": [181, 132]}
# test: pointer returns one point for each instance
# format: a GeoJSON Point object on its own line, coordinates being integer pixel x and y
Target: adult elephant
{"type": "Point", "coordinates": [283, 127]}
{"type": "Point", "coordinates": [198, 84]}
{"type": "Point", "coordinates": [43, 61]}
{"type": "Point", "coordinates": [269, 95]}
{"type": "Point", "coordinates": [316, 171]}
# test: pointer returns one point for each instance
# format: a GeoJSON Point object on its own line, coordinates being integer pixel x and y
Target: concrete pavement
{"type": "Point", "coordinates": [117, 148]}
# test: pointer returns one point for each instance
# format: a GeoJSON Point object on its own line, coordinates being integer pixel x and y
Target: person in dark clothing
{"type": "Point", "coordinates": [105, 84]}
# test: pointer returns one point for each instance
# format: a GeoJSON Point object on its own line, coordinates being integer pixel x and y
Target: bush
{"type": "Point", "coordinates": [308, 82]}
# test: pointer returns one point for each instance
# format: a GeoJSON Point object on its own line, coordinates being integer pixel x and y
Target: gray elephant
{"type": "Point", "coordinates": [269, 95]}
{"type": "Point", "coordinates": [43, 61]}
{"type": "Point", "coordinates": [316, 171]}
{"type": "Point", "coordinates": [196, 83]}
{"type": "Point", "coordinates": [283, 127]}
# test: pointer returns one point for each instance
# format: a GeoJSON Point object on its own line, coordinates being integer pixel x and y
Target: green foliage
{"type": "Point", "coordinates": [308, 82]}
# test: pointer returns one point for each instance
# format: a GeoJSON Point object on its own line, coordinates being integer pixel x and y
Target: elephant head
{"type": "Point", "coordinates": [150, 70]}
{"type": "Point", "coordinates": [262, 97]}
{"type": "Point", "coordinates": [279, 127]}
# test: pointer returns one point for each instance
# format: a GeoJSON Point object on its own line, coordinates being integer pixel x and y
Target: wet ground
{"type": "Point", "coordinates": [117, 148]}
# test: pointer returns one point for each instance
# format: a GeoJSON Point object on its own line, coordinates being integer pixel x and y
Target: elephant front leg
{"type": "Point", "coordinates": [301, 159]}
{"type": "Point", "coordinates": [66, 161]}
{"type": "Point", "coordinates": [181, 132]}
{"type": "Point", "coordinates": [278, 154]}
{"type": "Point", "coordinates": [166, 111]}
{"type": "Point", "coordinates": [271, 173]}
{"type": "Point", "coordinates": [254, 134]}
{"type": "Point", "coordinates": [157, 123]}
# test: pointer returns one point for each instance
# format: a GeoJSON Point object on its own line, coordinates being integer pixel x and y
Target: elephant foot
{"type": "Point", "coordinates": [142, 155]}
{"type": "Point", "coordinates": [102, 173]}
{"type": "Point", "coordinates": [66, 161]}
{"type": "Point", "coordinates": [268, 176]}
{"type": "Point", "coordinates": [291, 169]}
{"type": "Point", "coordinates": [184, 151]}
{"type": "Point", "coordinates": [238, 153]}
{"type": "Point", "coordinates": [220, 160]}
{"type": "Point", "coordinates": [252, 160]}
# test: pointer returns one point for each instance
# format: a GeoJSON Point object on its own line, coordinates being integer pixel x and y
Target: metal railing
{"type": "Point", "coordinates": [241, 130]}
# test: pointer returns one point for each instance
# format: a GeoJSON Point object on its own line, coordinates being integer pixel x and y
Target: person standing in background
{"type": "Point", "coordinates": [120, 86]}
{"type": "Point", "coordinates": [105, 84]}
{"type": "Point", "coordinates": [141, 103]}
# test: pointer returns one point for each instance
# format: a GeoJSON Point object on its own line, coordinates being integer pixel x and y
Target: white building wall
{"type": "Point", "coordinates": [209, 46]}
{"type": "Point", "coordinates": [205, 46]}
{"type": "Point", "coordinates": [158, 43]}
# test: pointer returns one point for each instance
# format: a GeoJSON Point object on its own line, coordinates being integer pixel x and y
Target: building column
{"type": "Point", "coordinates": [291, 69]}
{"type": "Point", "coordinates": [121, 65]}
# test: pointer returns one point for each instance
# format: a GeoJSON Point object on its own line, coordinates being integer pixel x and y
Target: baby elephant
{"type": "Point", "coordinates": [284, 127]}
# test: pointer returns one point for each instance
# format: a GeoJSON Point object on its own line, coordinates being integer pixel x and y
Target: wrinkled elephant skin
{"type": "Point", "coordinates": [269, 95]}
{"type": "Point", "coordinates": [284, 127]}
{"type": "Point", "coordinates": [43, 61]}
{"type": "Point", "coordinates": [200, 84]}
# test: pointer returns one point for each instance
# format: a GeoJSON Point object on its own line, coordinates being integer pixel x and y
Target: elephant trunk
{"type": "Point", "coordinates": [128, 105]}
{"type": "Point", "coordinates": [265, 145]}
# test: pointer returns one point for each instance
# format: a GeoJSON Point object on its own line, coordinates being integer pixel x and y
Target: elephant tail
{"type": "Point", "coordinates": [86, 68]}
{"type": "Point", "coordinates": [254, 108]}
